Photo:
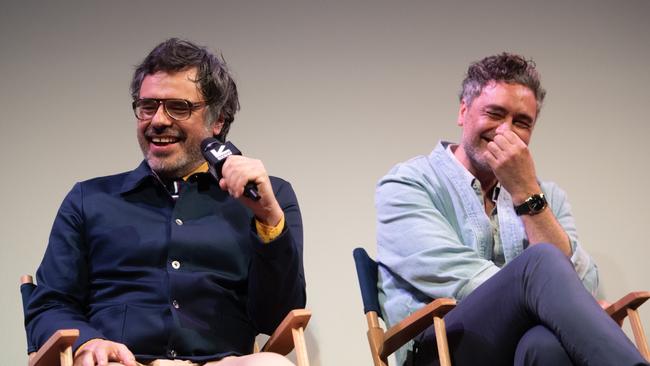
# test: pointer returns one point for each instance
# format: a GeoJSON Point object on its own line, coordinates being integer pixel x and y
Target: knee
{"type": "Point", "coordinates": [539, 338]}
{"type": "Point", "coordinates": [544, 260]}
{"type": "Point", "coordinates": [545, 252]}
{"type": "Point", "coordinates": [272, 359]}
{"type": "Point", "coordinates": [539, 346]}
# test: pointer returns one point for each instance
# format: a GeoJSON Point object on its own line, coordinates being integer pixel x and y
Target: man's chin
{"type": "Point", "coordinates": [163, 167]}
{"type": "Point", "coordinates": [479, 163]}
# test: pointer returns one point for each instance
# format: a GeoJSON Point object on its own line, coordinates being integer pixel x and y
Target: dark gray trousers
{"type": "Point", "coordinates": [534, 311]}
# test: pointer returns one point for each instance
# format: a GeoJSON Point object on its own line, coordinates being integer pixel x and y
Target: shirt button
{"type": "Point", "coordinates": [175, 304]}
{"type": "Point", "coordinates": [179, 222]}
{"type": "Point", "coordinates": [171, 353]}
{"type": "Point", "coordinates": [176, 264]}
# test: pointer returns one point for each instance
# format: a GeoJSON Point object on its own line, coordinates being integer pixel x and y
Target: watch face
{"type": "Point", "coordinates": [537, 203]}
{"type": "Point", "coordinates": [532, 206]}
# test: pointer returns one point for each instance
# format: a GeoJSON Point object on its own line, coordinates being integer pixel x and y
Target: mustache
{"type": "Point", "coordinates": [164, 132]}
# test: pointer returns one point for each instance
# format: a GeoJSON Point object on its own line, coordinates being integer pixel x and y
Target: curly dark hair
{"type": "Point", "coordinates": [212, 77]}
{"type": "Point", "coordinates": [506, 67]}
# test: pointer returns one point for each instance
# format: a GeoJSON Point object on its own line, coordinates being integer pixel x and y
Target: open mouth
{"type": "Point", "coordinates": [163, 141]}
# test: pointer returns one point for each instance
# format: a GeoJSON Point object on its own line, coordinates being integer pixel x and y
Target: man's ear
{"type": "Point", "coordinates": [217, 125]}
{"type": "Point", "coordinates": [462, 111]}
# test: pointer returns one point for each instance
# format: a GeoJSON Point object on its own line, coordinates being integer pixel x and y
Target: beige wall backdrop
{"type": "Point", "coordinates": [333, 94]}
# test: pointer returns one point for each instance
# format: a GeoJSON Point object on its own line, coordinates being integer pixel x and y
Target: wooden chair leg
{"type": "Point", "coordinates": [300, 346]}
{"type": "Point", "coordinates": [65, 356]}
{"type": "Point", "coordinates": [441, 340]}
{"type": "Point", "coordinates": [375, 339]}
{"type": "Point", "coordinates": [639, 335]}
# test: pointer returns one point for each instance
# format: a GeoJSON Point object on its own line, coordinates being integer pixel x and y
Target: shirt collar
{"type": "Point", "coordinates": [143, 174]}
{"type": "Point", "coordinates": [137, 177]}
{"type": "Point", "coordinates": [467, 176]}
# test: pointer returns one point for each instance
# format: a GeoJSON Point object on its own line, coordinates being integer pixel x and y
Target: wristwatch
{"type": "Point", "coordinates": [532, 205]}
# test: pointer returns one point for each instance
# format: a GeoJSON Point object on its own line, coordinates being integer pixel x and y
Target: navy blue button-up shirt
{"type": "Point", "coordinates": [186, 278]}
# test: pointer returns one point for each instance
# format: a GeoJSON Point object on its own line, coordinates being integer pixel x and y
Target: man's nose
{"type": "Point", "coordinates": [505, 125]}
{"type": "Point", "coordinates": [161, 118]}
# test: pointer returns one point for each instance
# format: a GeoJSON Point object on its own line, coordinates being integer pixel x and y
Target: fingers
{"type": "Point", "coordinates": [84, 358]}
{"type": "Point", "coordinates": [510, 137]}
{"type": "Point", "coordinates": [98, 352]}
{"type": "Point", "coordinates": [237, 171]}
{"type": "Point", "coordinates": [506, 145]}
{"type": "Point", "coordinates": [512, 164]}
{"type": "Point", "coordinates": [494, 150]}
{"type": "Point", "coordinates": [506, 140]}
{"type": "Point", "coordinates": [125, 356]}
{"type": "Point", "coordinates": [101, 356]}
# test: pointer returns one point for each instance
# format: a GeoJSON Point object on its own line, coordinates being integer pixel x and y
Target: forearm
{"type": "Point", "coordinates": [513, 166]}
{"type": "Point", "coordinates": [544, 228]}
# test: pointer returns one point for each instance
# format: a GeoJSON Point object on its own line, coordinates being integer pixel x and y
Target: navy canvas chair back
{"type": "Point", "coordinates": [384, 343]}
{"type": "Point", "coordinates": [368, 278]}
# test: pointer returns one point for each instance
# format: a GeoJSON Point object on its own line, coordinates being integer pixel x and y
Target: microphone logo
{"type": "Point", "coordinates": [222, 153]}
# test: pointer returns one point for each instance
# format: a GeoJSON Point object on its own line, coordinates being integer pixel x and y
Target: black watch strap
{"type": "Point", "coordinates": [532, 205]}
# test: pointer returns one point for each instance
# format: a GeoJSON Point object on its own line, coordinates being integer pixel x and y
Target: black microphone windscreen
{"type": "Point", "coordinates": [207, 142]}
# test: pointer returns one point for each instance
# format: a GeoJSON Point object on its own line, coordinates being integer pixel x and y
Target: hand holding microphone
{"type": "Point", "coordinates": [242, 176]}
{"type": "Point", "coordinates": [216, 152]}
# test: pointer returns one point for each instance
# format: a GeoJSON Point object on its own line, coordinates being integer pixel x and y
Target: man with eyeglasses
{"type": "Point", "coordinates": [163, 264]}
{"type": "Point", "coordinates": [471, 221]}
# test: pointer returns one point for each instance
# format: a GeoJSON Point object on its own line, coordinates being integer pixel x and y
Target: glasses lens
{"type": "Point", "coordinates": [145, 108]}
{"type": "Point", "coordinates": [178, 109]}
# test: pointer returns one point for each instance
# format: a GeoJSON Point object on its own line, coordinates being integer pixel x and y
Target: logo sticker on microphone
{"type": "Point", "coordinates": [222, 153]}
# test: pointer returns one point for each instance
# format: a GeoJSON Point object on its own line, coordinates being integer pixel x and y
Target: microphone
{"type": "Point", "coordinates": [216, 152]}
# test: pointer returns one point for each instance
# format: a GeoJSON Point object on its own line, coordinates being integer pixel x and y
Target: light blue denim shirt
{"type": "Point", "coordinates": [435, 240]}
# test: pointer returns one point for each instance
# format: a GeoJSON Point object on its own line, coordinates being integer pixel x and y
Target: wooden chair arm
{"type": "Point", "coordinates": [618, 310]}
{"type": "Point", "coordinates": [57, 350]}
{"type": "Point", "coordinates": [282, 339]}
{"type": "Point", "coordinates": [414, 324]}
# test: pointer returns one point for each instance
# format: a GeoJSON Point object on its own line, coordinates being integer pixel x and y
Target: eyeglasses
{"type": "Point", "coordinates": [177, 109]}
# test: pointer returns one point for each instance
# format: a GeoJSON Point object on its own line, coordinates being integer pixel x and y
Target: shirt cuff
{"type": "Point", "coordinates": [269, 233]}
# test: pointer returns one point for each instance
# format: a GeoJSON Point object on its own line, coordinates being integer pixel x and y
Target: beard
{"type": "Point", "coordinates": [476, 157]}
{"type": "Point", "coordinates": [183, 160]}
{"type": "Point", "coordinates": [175, 167]}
